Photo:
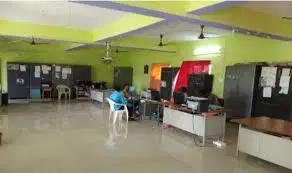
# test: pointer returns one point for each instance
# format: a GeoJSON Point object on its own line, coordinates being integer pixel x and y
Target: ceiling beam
{"type": "Point", "coordinates": [215, 7]}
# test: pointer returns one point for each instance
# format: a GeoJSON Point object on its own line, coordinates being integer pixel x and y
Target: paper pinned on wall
{"type": "Point", "coordinates": [267, 92]}
{"type": "Point", "coordinates": [57, 75]}
{"type": "Point", "coordinates": [45, 72]}
{"type": "Point", "coordinates": [284, 81]}
{"type": "Point", "coordinates": [37, 74]}
{"type": "Point", "coordinates": [22, 68]}
{"type": "Point", "coordinates": [64, 76]}
{"type": "Point", "coordinates": [44, 67]}
{"type": "Point", "coordinates": [286, 72]}
{"type": "Point", "coordinates": [268, 76]}
{"type": "Point", "coordinates": [49, 68]}
{"type": "Point", "coordinates": [64, 70]}
{"type": "Point", "coordinates": [69, 71]}
{"type": "Point", "coordinates": [58, 68]}
{"type": "Point", "coordinates": [284, 91]}
{"type": "Point", "coordinates": [163, 84]}
{"type": "Point", "coordinates": [37, 68]}
{"type": "Point", "coordinates": [265, 71]}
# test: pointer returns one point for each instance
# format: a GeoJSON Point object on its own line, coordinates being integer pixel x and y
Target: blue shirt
{"type": "Point", "coordinates": [118, 98]}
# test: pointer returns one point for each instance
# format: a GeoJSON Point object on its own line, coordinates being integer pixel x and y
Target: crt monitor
{"type": "Point", "coordinates": [179, 98]}
{"type": "Point", "coordinates": [155, 95]}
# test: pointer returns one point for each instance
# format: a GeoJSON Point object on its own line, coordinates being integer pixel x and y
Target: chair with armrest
{"type": "Point", "coordinates": [117, 113]}
{"type": "Point", "coordinates": [63, 90]}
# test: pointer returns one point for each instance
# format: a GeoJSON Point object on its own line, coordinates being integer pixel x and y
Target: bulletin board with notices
{"type": "Point", "coordinates": [275, 81]}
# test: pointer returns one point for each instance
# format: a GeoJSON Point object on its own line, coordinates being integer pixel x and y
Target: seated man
{"type": "Point", "coordinates": [125, 91]}
{"type": "Point", "coordinates": [117, 97]}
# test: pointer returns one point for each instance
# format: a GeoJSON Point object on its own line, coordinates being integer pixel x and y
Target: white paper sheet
{"type": "Point", "coordinates": [45, 72]}
{"type": "Point", "coordinates": [267, 92]}
{"type": "Point", "coordinates": [64, 76]}
{"type": "Point", "coordinates": [163, 84]}
{"type": "Point", "coordinates": [284, 91]}
{"type": "Point", "coordinates": [37, 74]}
{"type": "Point", "coordinates": [69, 71]}
{"type": "Point", "coordinates": [58, 68]}
{"type": "Point", "coordinates": [268, 76]}
{"type": "Point", "coordinates": [284, 81]}
{"type": "Point", "coordinates": [286, 72]}
{"type": "Point", "coordinates": [49, 68]}
{"type": "Point", "coordinates": [265, 71]}
{"type": "Point", "coordinates": [22, 68]}
{"type": "Point", "coordinates": [57, 75]}
{"type": "Point", "coordinates": [64, 70]}
{"type": "Point", "coordinates": [37, 68]}
{"type": "Point", "coordinates": [44, 67]}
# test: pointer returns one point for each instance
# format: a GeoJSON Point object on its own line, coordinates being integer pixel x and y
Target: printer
{"type": "Point", "coordinates": [198, 104]}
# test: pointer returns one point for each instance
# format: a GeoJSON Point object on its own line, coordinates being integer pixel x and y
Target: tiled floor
{"type": "Point", "coordinates": [77, 138]}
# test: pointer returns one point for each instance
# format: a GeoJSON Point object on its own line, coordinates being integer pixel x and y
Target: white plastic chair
{"type": "Point", "coordinates": [117, 113]}
{"type": "Point", "coordinates": [63, 89]}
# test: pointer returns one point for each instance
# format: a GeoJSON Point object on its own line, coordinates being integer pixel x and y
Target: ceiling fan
{"type": "Point", "coordinates": [287, 18]}
{"type": "Point", "coordinates": [32, 42]}
{"type": "Point", "coordinates": [202, 36]}
{"type": "Point", "coordinates": [120, 51]}
{"type": "Point", "coordinates": [161, 44]}
{"type": "Point", "coordinates": [107, 59]}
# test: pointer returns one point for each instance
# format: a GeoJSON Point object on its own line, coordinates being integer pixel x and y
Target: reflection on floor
{"type": "Point", "coordinates": [77, 138]}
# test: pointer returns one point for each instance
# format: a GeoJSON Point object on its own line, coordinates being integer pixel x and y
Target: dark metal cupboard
{"type": "Point", "coordinates": [18, 80]}
{"type": "Point", "coordinates": [81, 73]}
{"type": "Point", "coordinates": [123, 75]}
{"type": "Point", "coordinates": [240, 83]}
{"type": "Point", "coordinates": [167, 78]}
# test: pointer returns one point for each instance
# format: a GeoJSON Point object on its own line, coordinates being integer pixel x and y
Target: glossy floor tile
{"type": "Point", "coordinates": [78, 138]}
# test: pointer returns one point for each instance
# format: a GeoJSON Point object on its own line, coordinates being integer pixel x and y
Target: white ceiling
{"type": "Point", "coordinates": [59, 13]}
{"type": "Point", "coordinates": [277, 8]}
{"type": "Point", "coordinates": [181, 31]}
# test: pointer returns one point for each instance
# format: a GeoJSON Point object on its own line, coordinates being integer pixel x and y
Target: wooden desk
{"type": "Point", "coordinates": [266, 138]}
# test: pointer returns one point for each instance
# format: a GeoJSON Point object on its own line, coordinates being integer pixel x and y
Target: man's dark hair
{"type": "Point", "coordinates": [117, 87]}
{"type": "Point", "coordinates": [126, 84]}
{"type": "Point", "coordinates": [183, 89]}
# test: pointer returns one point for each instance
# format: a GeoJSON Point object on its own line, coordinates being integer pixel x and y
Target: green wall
{"type": "Point", "coordinates": [236, 49]}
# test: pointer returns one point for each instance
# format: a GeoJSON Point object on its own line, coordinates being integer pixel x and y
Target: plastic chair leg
{"type": "Point", "coordinates": [115, 117]}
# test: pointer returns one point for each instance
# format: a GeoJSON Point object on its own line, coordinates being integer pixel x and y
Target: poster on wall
{"type": "Point", "coordinates": [37, 74]}
{"type": "Point", "coordinates": [37, 68]}
{"type": "Point", "coordinates": [23, 68]}
{"type": "Point", "coordinates": [58, 68]}
{"type": "Point", "coordinates": [64, 76]}
{"type": "Point", "coordinates": [57, 75]}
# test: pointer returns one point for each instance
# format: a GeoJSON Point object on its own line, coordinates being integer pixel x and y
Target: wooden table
{"type": "Point", "coordinates": [266, 138]}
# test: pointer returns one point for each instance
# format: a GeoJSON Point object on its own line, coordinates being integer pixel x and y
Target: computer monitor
{"type": "Point", "coordinates": [179, 98]}
{"type": "Point", "coordinates": [155, 95]}
{"type": "Point", "coordinates": [132, 90]}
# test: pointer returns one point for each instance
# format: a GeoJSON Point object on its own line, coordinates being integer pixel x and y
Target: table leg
{"type": "Point", "coordinates": [237, 149]}
{"type": "Point", "coordinates": [144, 111]}
{"type": "Point", "coordinates": [158, 115]}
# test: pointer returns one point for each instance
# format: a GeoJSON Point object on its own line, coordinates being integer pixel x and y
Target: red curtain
{"type": "Point", "coordinates": [187, 68]}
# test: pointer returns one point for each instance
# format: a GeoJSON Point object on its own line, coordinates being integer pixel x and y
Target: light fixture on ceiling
{"type": "Point", "coordinates": [206, 50]}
